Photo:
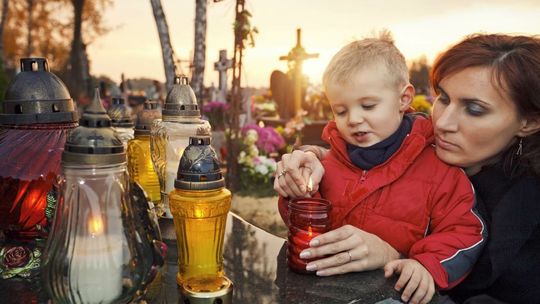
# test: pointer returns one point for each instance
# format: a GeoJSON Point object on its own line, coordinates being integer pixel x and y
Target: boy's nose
{"type": "Point", "coordinates": [355, 116]}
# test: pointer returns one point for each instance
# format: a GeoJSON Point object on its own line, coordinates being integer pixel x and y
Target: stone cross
{"type": "Point", "coordinates": [222, 65]}
{"type": "Point", "coordinates": [297, 56]}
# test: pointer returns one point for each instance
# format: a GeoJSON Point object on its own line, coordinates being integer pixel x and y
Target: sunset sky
{"type": "Point", "coordinates": [419, 28]}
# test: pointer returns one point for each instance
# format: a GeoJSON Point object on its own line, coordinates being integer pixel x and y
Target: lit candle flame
{"type": "Point", "coordinates": [95, 226]}
{"type": "Point", "coordinates": [310, 185]}
{"type": "Point", "coordinates": [310, 232]}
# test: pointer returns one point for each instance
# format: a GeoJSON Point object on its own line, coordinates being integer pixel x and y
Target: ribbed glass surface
{"type": "Point", "coordinates": [199, 219]}
{"type": "Point", "coordinates": [167, 143]}
{"type": "Point", "coordinates": [141, 168]}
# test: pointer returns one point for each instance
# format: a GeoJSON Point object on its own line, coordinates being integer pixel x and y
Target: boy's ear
{"type": "Point", "coordinates": [529, 126]}
{"type": "Point", "coordinates": [406, 98]}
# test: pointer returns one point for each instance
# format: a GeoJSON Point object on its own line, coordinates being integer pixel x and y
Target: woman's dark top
{"type": "Point", "coordinates": [509, 267]}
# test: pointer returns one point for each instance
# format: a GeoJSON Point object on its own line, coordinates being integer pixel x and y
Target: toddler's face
{"type": "Point", "coordinates": [369, 108]}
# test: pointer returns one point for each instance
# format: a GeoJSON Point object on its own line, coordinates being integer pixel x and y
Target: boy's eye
{"type": "Point", "coordinates": [475, 109]}
{"type": "Point", "coordinates": [340, 113]}
{"type": "Point", "coordinates": [368, 106]}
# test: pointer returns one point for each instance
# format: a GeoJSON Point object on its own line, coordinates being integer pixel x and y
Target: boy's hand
{"type": "Point", "coordinates": [415, 277]}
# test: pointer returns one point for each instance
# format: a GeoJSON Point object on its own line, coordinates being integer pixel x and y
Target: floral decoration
{"type": "Point", "coordinates": [215, 112]}
{"type": "Point", "coordinates": [18, 261]}
{"type": "Point", "coordinates": [257, 167]}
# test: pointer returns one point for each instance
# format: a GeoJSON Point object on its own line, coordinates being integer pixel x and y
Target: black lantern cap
{"type": "Point", "coordinates": [36, 95]}
{"type": "Point", "coordinates": [181, 100]}
{"type": "Point", "coordinates": [146, 117]}
{"type": "Point", "coordinates": [199, 167]}
{"type": "Point", "coordinates": [120, 113]}
{"type": "Point", "coordinates": [93, 142]}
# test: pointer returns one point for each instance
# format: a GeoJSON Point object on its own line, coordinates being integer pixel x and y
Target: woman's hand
{"type": "Point", "coordinates": [294, 171]}
{"type": "Point", "coordinates": [347, 249]}
{"type": "Point", "coordinates": [414, 277]}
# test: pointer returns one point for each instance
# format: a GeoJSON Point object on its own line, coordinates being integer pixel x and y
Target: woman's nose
{"type": "Point", "coordinates": [446, 118]}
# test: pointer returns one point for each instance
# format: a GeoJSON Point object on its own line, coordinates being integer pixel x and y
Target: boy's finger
{"type": "Point", "coordinates": [390, 268]}
{"type": "Point", "coordinates": [412, 285]}
{"type": "Point", "coordinates": [429, 294]}
{"type": "Point", "coordinates": [420, 292]}
{"type": "Point", "coordinates": [406, 273]}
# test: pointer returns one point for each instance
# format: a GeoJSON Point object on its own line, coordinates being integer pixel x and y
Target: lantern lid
{"type": "Point", "coordinates": [36, 95]}
{"type": "Point", "coordinates": [146, 117]}
{"type": "Point", "coordinates": [120, 113]}
{"type": "Point", "coordinates": [93, 142]}
{"type": "Point", "coordinates": [181, 100]}
{"type": "Point", "coordinates": [199, 167]}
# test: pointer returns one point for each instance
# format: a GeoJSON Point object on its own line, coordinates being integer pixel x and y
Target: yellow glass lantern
{"type": "Point", "coordinates": [199, 205]}
{"type": "Point", "coordinates": [140, 166]}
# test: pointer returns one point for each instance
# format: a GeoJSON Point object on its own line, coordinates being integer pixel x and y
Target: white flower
{"type": "Point", "coordinates": [262, 169]}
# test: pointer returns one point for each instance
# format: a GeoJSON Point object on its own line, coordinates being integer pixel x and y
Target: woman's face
{"type": "Point", "coordinates": [473, 119]}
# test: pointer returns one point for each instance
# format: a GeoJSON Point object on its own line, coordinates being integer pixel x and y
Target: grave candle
{"type": "Point", "coordinates": [308, 217]}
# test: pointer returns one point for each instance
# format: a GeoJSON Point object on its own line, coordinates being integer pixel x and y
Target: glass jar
{"type": "Point", "coordinates": [308, 218]}
{"type": "Point", "coordinates": [141, 168]}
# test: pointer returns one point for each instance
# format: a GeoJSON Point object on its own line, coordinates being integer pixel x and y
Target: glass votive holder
{"type": "Point", "coordinates": [308, 217]}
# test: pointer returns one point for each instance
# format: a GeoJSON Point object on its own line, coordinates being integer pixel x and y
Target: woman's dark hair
{"type": "Point", "coordinates": [515, 61]}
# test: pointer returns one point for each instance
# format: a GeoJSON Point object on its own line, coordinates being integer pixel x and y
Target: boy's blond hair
{"type": "Point", "coordinates": [361, 53]}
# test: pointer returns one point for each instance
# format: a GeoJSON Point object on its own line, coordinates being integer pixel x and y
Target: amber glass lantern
{"type": "Point", "coordinates": [140, 166]}
{"type": "Point", "coordinates": [95, 253]}
{"type": "Point", "coordinates": [181, 118]}
{"type": "Point", "coordinates": [38, 113]}
{"type": "Point", "coordinates": [199, 204]}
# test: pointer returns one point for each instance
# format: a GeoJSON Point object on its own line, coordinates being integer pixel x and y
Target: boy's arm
{"type": "Point", "coordinates": [456, 234]}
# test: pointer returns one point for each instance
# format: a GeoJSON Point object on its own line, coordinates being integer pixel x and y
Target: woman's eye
{"type": "Point", "coordinates": [475, 109]}
{"type": "Point", "coordinates": [442, 99]}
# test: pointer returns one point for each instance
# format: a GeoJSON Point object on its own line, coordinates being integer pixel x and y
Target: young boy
{"type": "Point", "coordinates": [383, 177]}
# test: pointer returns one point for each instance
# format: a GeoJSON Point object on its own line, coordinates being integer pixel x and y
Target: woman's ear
{"type": "Point", "coordinates": [406, 98]}
{"type": "Point", "coordinates": [529, 126]}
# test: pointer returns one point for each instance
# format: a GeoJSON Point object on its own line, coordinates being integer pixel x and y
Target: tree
{"type": "Point", "coordinates": [243, 33]}
{"type": "Point", "coordinates": [419, 72]}
{"type": "Point", "coordinates": [4, 15]}
{"type": "Point", "coordinates": [51, 30]}
{"type": "Point", "coordinates": [166, 47]}
{"type": "Point", "coordinates": [199, 56]}
{"type": "Point", "coordinates": [77, 74]}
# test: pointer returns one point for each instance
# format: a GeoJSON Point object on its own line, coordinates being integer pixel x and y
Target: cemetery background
{"type": "Point", "coordinates": [252, 126]}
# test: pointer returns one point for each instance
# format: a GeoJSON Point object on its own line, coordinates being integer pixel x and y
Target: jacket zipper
{"type": "Point", "coordinates": [364, 176]}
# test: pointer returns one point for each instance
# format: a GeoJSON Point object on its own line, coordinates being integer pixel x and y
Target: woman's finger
{"type": "Point", "coordinates": [333, 236]}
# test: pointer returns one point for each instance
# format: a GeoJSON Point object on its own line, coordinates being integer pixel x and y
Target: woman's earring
{"type": "Point", "coordinates": [520, 147]}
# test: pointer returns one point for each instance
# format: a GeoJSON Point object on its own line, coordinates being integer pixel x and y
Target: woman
{"type": "Point", "coordinates": [486, 119]}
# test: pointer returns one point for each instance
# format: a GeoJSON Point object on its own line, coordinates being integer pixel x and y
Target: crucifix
{"type": "Point", "coordinates": [222, 65]}
{"type": "Point", "coordinates": [296, 57]}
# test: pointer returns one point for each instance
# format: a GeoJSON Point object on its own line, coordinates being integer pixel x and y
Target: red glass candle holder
{"type": "Point", "coordinates": [308, 217]}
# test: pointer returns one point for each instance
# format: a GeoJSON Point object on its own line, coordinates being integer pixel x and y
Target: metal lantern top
{"type": "Point", "coordinates": [120, 113]}
{"type": "Point", "coordinates": [94, 142]}
{"type": "Point", "coordinates": [199, 167]}
{"type": "Point", "coordinates": [145, 117]}
{"type": "Point", "coordinates": [181, 100]}
{"type": "Point", "coordinates": [37, 96]}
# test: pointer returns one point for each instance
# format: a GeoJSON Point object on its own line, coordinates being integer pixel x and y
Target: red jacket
{"type": "Point", "coordinates": [415, 202]}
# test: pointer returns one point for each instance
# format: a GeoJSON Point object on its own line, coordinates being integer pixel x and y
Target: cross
{"type": "Point", "coordinates": [297, 55]}
{"type": "Point", "coordinates": [222, 65]}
